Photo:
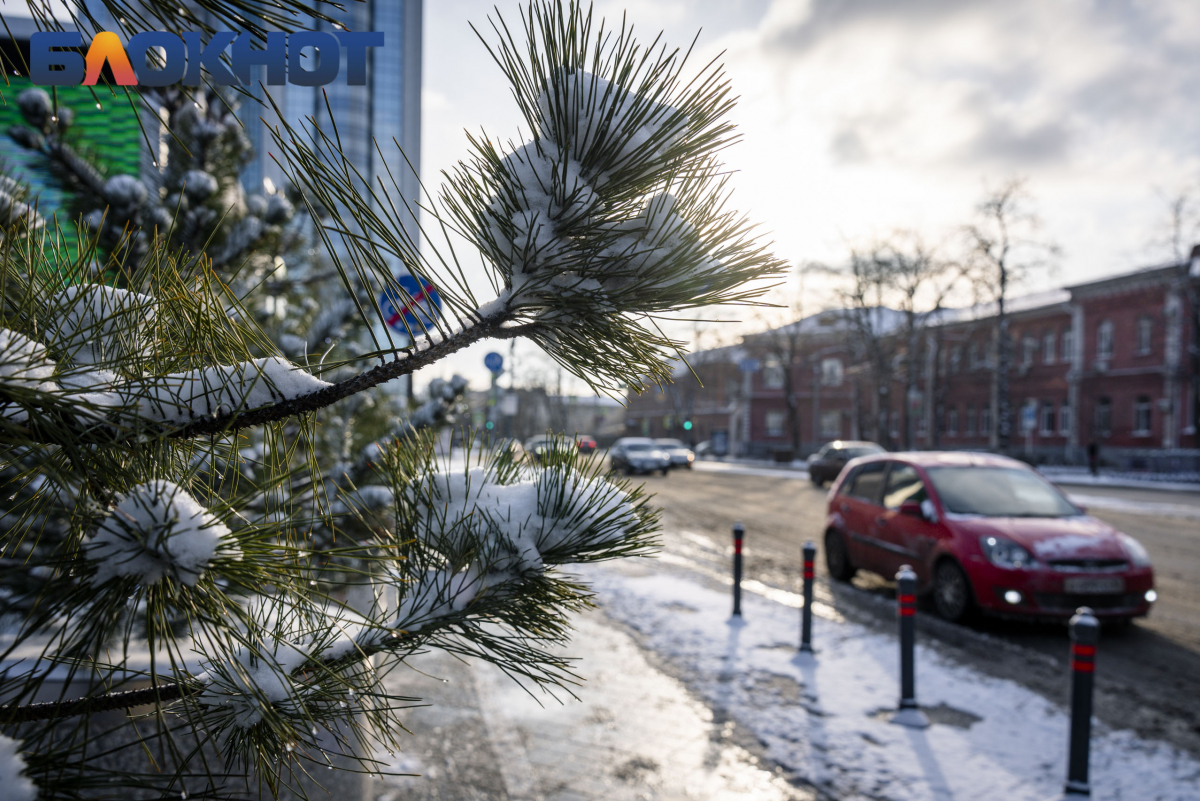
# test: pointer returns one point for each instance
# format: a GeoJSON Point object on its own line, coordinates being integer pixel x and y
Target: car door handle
{"type": "Point", "coordinates": [881, 521]}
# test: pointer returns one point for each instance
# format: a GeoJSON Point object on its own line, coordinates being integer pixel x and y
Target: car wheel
{"type": "Point", "coordinates": [837, 558]}
{"type": "Point", "coordinates": [629, 471]}
{"type": "Point", "coordinates": [818, 482]}
{"type": "Point", "coordinates": [952, 592]}
{"type": "Point", "coordinates": [665, 470]}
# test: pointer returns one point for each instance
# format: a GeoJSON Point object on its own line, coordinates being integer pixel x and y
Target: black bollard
{"type": "Point", "coordinates": [810, 554]}
{"type": "Point", "coordinates": [737, 569]}
{"type": "Point", "coordinates": [909, 713]}
{"type": "Point", "coordinates": [1085, 633]}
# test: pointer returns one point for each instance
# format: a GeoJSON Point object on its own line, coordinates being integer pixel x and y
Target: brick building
{"type": "Point", "coordinates": [1105, 361]}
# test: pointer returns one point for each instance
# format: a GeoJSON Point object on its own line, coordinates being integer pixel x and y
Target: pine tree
{"type": "Point", "coordinates": [220, 528]}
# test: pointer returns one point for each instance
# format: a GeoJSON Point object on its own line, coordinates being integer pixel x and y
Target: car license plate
{"type": "Point", "coordinates": [1094, 586]}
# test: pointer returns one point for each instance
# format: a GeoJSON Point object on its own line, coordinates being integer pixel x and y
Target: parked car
{"type": "Point", "coordinates": [704, 450]}
{"type": "Point", "coordinates": [825, 465]}
{"type": "Point", "coordinates": [983, 533]}
{"type": "Point", "coordinates": [587, 443]}
{"type": "Point", "coordinates": [638, 455]}
{"type": "Point", "coordinates": [681, 455]}
{"type": "Point", "coordinates": [538, 447]}
{"type": "Point", "coordinates": [512, 445]}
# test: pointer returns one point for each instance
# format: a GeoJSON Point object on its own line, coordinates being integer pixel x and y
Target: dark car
{"type": "Point", "coordinates": [983, 532]}
{"type": "Point", "coordinates": [638, 455]}
{"type": "Point", "coordinates": [681, 455]}
{"type": "Point", "coordinates": [586, 443]}
{"type": "Point", "coordinates": [825, 465]}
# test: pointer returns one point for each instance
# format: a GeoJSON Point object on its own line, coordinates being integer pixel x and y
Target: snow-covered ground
{"type": "Point", "coordinates": [826, 718]}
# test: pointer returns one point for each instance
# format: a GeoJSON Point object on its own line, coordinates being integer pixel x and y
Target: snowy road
{"type": "Point", "coordinates": [1150, 674]}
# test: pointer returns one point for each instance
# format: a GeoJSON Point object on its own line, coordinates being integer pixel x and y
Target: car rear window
{"type": "Point", "coordinates": [867, 482]}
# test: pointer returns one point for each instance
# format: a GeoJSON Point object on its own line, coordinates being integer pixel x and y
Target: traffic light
{"type": "Point", "coordinates": [489, 425]}
{"type": "Point", "coordinates": [687, 425]}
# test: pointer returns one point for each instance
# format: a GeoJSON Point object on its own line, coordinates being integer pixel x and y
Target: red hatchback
{"type": "Point", "coordinates": [985, 533]}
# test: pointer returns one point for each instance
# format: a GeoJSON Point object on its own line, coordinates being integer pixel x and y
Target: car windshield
{"type": "Point", "coordinates": [669, 443]}
{"type": "Point", "coordinates": [998, 492]}
{"type": "Point", "coordinates": [638, 446]}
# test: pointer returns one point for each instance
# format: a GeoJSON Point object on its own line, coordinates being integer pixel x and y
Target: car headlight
{"type": "Point", "coordinates": [1005, 553]}
{"type": "Point", "coordinates": [1137, 552]}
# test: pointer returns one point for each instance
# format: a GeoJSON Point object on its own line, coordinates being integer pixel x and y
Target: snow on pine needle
{"type": "Point", "coordinates": [156, 531]}
{"type": "Point", "coordinates": [24, 366]}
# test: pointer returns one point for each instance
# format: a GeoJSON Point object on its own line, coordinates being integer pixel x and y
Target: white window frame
{"type": "Point", "coordinates": [1064, 419]}
{"type": "Point", "coordinates": [832, 373]}
{"type": "Point", "coordinates": [1067, 345]}
{"type": "Point", "coordinates": [985, 421]}
{"type": "Point", "coordinates": [772, 373]}
{"type": "Point", "coordinates": [1049, 347]}
{"type": "Point", "coordinates": [1104, 341]}
{"type": "Point", "coordinates": [1029, 346]}
{"type": "Point", "coordinates": [952, 422]}
{"type": "Point", "coordinates": [775, 421]}
{"type": "Point", "coordinates": [1144, 336]}
{"type": "Point", "coordinates": [833, 430]}
{"type": "Point", "coordinates": [1143, 405]}
{"type": "Point", "coordinates": [1048, 408]}
{"type": "Point", "coordinates": [970, 428]}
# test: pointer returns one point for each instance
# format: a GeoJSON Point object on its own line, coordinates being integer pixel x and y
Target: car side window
{"type": "Point", "coordinates": [867, 482]}
{"type": "Point", "coordinates": [903, 484]}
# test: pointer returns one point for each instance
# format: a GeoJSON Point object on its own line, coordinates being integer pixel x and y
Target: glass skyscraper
{"type": "Point", "coordinates": [387, 110]}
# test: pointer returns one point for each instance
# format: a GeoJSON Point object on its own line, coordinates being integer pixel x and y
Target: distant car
{"type": "Point", "coordinates": [512, 445]}
{"type": "Point", "coordinates": [681, 455]}
{"type": "Point", "coordinates": [982, 532]}
{"type": "Point", "coordinates": [638, 455]}
{"type": "Point", "coordinates": [704, 450]}
{"type": "Point", "coordinates": [538, 447]}
{"type": "Point", "coordinates": [587, 444]}
{"type": "Point", "coordinates": [825, 465]}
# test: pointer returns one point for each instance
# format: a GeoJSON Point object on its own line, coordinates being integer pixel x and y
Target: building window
{"type": "Point", "coordinates": [985, 421]}
{"type": "Point", "coordinates": [772, 373]}
{"type": "Point", "coordinates": [1141, 416]}
{"type": "Point", "coordinates": [1104, 341]}
{"type": "Point", "coordinates": [970, 432]}
{"type": "Point", "coordinates": [1102, 422]}
{"type": "Point", "coordinates": [1145, 330]}
{"type": "Point", "coordinates": [1049, 347]}
{"type": "Point", "coordinates": [831, 424]}
{"type": "Point", "coordinates": [1028, 348]}
{"type": "Point", "coordinates": [831, 372]}
{"type": "Point", "coordinates": [1064, 419]}
{"type": "Point", "coordinates": [894, 426]}
{"type": "Point", "coordinates": [952, 422]}
{"type": "Point", "coordinates": [1047, 419]}
{"type": "Point", "coordinates": [775, 423]}
{"type": "Point", "coordinates": [1068, 345]}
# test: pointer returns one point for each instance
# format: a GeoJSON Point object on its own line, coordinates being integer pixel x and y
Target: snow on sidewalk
{"type": "Point", "coordinates": [826, 719]}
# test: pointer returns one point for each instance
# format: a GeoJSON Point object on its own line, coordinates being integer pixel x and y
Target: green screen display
{"type": "Point", "coordinates": [109, 137]}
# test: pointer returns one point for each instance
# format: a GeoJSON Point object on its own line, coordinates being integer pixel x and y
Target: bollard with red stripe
{"type": "Point", "coordinates": [738, 531]}
{"type": "Point", "coordinates": [1085, 633]}
{"type": "Point", "coordinates": [909, 713]}
{"type": "Point", "coordinates": [810, 554]}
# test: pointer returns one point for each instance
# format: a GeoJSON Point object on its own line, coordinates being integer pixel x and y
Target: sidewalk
{"type": "Point", "coordinates": [824, 720]}
{"type": "Point", "coordinates": [634, 733]}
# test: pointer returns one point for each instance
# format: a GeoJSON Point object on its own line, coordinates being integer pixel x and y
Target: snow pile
{"type": "Point", "coordinates": [16, 787]}
{"type": "Point", "coordinates": [546, 192]}
{"type": "Point", "coordinates": [825, 719]}
{"type": "Point", "coordinates": [94, 319]}
{"type": "Point", "coordinates": [180, 397]}
{"type": "Point", "coordinates": [158, 530]}
{"type": "Point", "coordinates": [23, 365]}
{"type": "Point", "coordinates": [255, 679]}
{"type": "Point", "coordinates": [509, 529]}
{"type": "Point", "coordinates": [598, 117]}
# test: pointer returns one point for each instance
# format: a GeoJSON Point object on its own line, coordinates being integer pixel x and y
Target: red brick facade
{"type": "Point", "coordinates": [1104, 362]}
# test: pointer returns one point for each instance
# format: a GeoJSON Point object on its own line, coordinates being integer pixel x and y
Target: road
{"type": "Point", "coordinates": [1148, 675]}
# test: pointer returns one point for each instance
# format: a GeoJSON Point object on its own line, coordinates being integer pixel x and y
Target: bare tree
{"type": "Point", "coordinates": [1182, 231]}
{"type": "Point", "coordinates": [784, 341]}
{"type": "Point", "coordinates": [917, 280]}
{"type": "Point", "coordinates": [1004, 245]}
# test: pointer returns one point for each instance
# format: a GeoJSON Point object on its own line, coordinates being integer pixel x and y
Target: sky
{"type": "Point", "coordinates": [862, 117]}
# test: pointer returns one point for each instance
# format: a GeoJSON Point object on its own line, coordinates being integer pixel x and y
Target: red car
{"type": "Point", "coordinates": [983, 533]}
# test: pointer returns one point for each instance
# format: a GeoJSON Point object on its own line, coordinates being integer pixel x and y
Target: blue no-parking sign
{"type": "Point", "coordinates": [413, 312]}
{"type": "Point", "coordinates": [494, 362]}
